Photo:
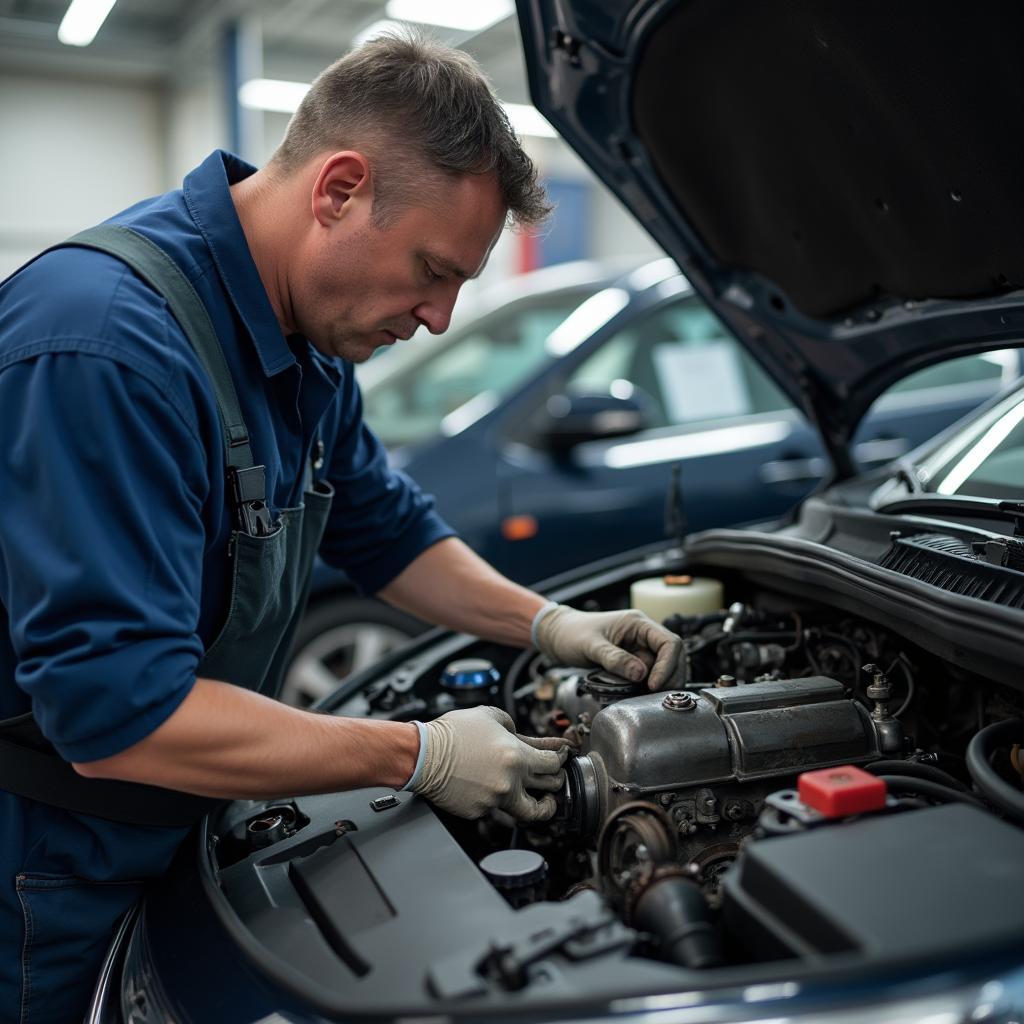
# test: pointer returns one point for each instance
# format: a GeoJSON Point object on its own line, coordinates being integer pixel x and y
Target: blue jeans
{"type": "Point", "coordinates": [54, 953]}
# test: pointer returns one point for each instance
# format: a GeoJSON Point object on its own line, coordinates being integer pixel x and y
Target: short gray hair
{"type": "Point", "coordinates": [413, 104]}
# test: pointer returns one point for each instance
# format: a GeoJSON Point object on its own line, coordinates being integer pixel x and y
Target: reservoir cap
{"type": "Point", "coordinates": [469, 674]}
{"type": "Point", "coordinates": [509, 870]}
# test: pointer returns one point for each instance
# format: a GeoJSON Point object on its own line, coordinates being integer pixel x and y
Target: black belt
{"type": "Point", "coordinates": [40, 774]}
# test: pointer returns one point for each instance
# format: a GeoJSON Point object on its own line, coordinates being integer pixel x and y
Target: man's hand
{"type": "Point", "coordinates": [626, 643]}
{"type": "Point", "coordinates": [474, 762]}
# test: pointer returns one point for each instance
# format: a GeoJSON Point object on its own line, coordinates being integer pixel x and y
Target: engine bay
{"type": "Point", "coordinates": [690, 845]}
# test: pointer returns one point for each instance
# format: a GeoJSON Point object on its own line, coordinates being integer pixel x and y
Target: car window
{"type": "Point", "coordinates": [487, 360]}
{"type": "Point", "coordinates": [683, 359]}
{"type": "Point", "coordinates": [985, 460]}
{"type": "Point", "coordinates": [990, 370]}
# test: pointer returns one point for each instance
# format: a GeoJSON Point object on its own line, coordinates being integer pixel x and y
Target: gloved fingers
{"type": "Point", "coordinates": [668, 650]}
{"type": "Point", "coordinates": [547, 783]}
{"type": "Point", "coordinates": [616, 660]}
{"type": "Point", "coordinates": [646, 656]}
{"type": "Point", "coordinates": [546, 762]}
{"type": "Point", "coordinates": [525, 808]}
{"type": "Point", "coordinates": [503, 718]}
{"type": "Point", "coordinates": [544, 742]}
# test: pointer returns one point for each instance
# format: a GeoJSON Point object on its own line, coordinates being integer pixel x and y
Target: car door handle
{"type": "Point", "coordinates": [793, 469]}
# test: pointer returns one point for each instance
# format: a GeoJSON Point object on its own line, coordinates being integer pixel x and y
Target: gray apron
{"type": "Point", "coordinates": [271, 567]}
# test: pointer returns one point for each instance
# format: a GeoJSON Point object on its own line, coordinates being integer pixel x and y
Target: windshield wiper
{"type": "Point", "coordinates": [906, 473]}
{"type": "Point", "coordinates": [955, 505]}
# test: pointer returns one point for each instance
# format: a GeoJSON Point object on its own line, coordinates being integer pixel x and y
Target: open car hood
{"type": "Point", "coordinates": [843, 183]}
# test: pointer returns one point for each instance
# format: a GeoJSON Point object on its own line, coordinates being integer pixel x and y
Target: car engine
{"type": "Point", "coordinates": [667, 792]}
{"type": "Point", "coordinates": [813, 785]}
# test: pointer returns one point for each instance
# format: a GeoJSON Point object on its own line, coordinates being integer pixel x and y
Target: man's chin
{"type": "Point", "coordinates": [354, 349]}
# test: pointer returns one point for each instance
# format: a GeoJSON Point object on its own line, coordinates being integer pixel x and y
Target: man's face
{"type": "Point", "coordinates": [365, 286]}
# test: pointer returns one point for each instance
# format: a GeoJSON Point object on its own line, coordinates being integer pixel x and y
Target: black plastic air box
{"type": "Point", "coordinates": [917, 884]}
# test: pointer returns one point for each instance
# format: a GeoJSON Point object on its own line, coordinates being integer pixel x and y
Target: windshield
{"type": "Point", "coordinates": [482, 364]}
{"type": "Point", "coordinates": [985, 459]}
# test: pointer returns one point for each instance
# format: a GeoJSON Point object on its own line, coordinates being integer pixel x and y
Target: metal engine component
{"type": "Point", "coordinates": [580, 694]}
{"type": "Point", "coordinates": [709, 761]}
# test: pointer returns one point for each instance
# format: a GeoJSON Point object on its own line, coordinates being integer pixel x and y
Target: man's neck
{"type": "Point", "coordinates": [262, 206]}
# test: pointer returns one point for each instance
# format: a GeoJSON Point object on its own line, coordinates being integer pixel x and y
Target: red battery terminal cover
{"type": "Point", "coordinates": [837, 792]}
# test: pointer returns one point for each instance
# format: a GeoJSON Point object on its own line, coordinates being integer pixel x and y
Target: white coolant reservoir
{"type": "Point", "coordinates": [662, 596]}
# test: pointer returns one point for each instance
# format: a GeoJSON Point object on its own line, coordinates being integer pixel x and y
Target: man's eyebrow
{"type": "Point", "coordinates": [442, 263]}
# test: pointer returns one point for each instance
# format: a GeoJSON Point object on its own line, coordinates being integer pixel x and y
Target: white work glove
{"type": "Point", "coordinates": [626, 643]}
{"type": "Point", "coordinates": [472, 761]}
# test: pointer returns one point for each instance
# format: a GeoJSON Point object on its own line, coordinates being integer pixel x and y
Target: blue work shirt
{"type": "Point", "coordinates": [114, 520]}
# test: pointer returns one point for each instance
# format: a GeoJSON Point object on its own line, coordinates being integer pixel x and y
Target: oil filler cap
{"type": "Point", "coordinates": [838, 792]}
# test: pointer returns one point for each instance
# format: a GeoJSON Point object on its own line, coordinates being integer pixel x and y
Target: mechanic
{"type": "Point", "coordinates": [182, 432]}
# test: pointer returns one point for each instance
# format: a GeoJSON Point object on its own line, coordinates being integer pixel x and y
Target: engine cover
{"type": "Point", "coordinates": [708, 757]}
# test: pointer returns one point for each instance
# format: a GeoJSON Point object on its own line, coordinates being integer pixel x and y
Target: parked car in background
{"type": "Point", "coordinates": [548, 428]}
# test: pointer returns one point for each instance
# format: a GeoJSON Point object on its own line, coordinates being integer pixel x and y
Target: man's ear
{"type": "Point", "coordinates": [344, 181]}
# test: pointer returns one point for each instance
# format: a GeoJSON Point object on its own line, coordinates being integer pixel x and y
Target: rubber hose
{"type": "Point", "coordinates": [1000, 792]}
{"type": "Point", "coordinates": [922, 787]}
{"type": "Point", "coordinates": [918, 771]}
{"type": "Point", "coordinates": [509, 687]}
{"type": "Point", "coordinates": [674, 910]}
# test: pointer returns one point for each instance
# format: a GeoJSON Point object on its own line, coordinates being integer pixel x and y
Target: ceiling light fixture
{"type": "Point", "coordinates": [272, 94]}
{"type": "Point", "coordinates": [82, 21]}
{"type": "Point", "coordinates": [464, 15]}
{"type": "Point", "coordinates": [284, 98]}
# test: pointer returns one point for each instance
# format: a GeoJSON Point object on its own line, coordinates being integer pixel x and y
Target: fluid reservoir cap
{"type": "Point", "coordinates": [837, 792]}
{"type": "Point", "coordinates": [469, 674]}
{"type": "Point", "coordinates": [514, 869]}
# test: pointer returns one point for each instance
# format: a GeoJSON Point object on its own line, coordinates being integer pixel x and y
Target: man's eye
{"type": "Point", "coordinates": [431, 276]}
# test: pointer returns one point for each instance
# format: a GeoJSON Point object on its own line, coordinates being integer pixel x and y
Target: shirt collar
{"type": "Point", "coordinates": [209, 202]}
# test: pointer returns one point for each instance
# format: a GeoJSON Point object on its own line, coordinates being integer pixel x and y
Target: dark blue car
{"type": "Point", "coordinates": [549, 427]}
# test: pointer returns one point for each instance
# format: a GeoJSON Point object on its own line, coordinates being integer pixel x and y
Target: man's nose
{"type": "Point", "coordinates": [435, 313]}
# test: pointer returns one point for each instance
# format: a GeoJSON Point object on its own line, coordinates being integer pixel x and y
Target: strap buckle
{"type": "Point", "coordinates": [249, 487]}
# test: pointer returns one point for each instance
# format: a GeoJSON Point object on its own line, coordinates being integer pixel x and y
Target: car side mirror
{"type": "Point", "coordinates": [569, 420]}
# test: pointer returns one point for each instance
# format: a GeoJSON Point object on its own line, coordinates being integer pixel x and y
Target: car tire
{"type": "Point", "coordinates": [340, 636]}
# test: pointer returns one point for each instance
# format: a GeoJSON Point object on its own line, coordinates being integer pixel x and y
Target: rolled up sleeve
{"type": "Point", "coordinates": [101, 546]}
{"type": "Point", "coordinates": [380, 519]}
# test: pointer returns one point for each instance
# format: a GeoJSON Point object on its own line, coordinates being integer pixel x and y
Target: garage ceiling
{"type": "Point", "coordinates": [169, 40]}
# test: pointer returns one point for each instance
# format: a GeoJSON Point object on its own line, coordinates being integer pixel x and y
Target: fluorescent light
{"type": "Point", "coordinates": [384, 27]}
{"type": "Point", "coordinates": [528, 120]}
{"type": "Point", "coordinates": [272, 94]}
{"type": "Point", "coordinates": [284, 98]}
{"type": "Point", "coordinates": [82, 21]}
{"type": "Point", "coordinates": [464, 15]}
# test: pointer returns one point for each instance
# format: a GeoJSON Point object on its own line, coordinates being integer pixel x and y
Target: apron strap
{"type": "Point", "coordinates": [247, 481]}
{"type": "Point", "coordinates": [164, 276]}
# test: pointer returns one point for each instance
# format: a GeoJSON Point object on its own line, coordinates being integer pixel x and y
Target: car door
{"type": "Point", "coordinates": [709, 409]}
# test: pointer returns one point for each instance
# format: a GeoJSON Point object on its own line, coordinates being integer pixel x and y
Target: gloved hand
{"type": "Point", "coordinates": [627, 643]}
{"type": "Point", "coordinates": [474, 761]}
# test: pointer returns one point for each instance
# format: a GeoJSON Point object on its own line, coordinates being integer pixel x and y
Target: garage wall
{"type": "Point", "coordinates": [73, 153]}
